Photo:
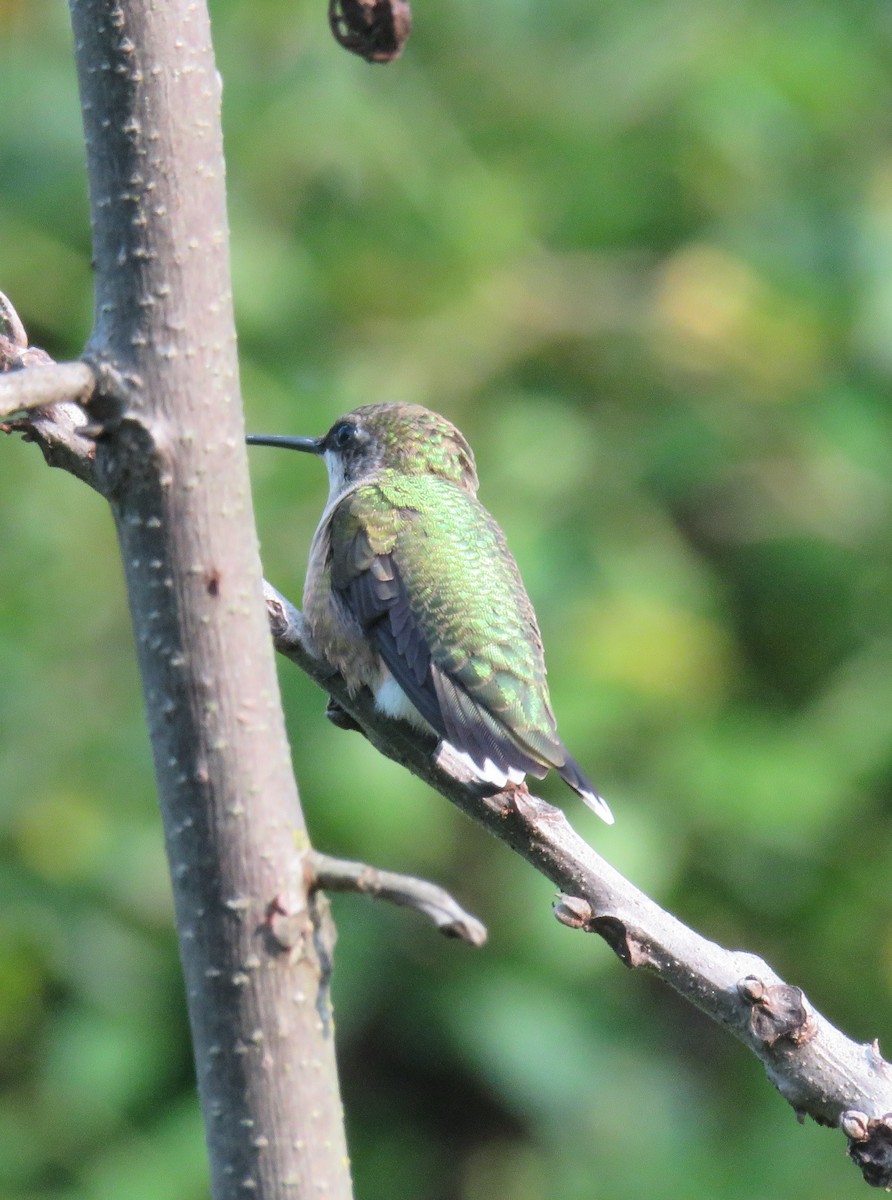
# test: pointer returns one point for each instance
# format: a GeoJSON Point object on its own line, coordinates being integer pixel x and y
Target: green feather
{"type": "Point", "coordinates": [464, 591]}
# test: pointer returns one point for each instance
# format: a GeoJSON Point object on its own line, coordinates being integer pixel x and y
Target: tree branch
{"type": "Point", "coordinates": [822, 1073]}
{"type": "Point", "coordinates": [26, 390]}
{"type": "Point", "coordinates": [55, 420]}
{"type": "Point", "coordinates": [815, 1067]}
{"type": "Point", "coordinates": [342, 875]}
{"type": "Point", "coordinates": [170, 456]}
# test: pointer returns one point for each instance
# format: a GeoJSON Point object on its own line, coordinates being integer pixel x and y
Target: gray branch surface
{"type": "Point", "coordinates": [816, 1068]}
{"type": "Point", "coordinates": [165, 445]}
{"type": "Point", "coordinates": [22, 391]}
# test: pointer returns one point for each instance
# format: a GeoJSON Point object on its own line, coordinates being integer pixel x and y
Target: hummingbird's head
{"type": "Point", "coordinates": [380, 437]}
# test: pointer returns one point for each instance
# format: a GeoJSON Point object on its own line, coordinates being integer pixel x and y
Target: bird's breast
{"type": "Point", "coordinates": [335, 634]}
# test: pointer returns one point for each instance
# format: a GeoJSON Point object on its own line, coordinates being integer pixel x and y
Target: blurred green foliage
{"type": "Point", "coordinates": [642, 255]}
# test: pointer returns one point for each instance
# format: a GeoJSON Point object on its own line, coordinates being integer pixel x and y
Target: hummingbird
{"type": "Point", "coordinates": [411, 591]}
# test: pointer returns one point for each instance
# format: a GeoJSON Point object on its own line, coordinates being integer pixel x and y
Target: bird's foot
{"type": "Point", "coordinates": [340, 717]}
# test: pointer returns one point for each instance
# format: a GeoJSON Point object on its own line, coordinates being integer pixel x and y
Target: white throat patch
{"type": "Point", "coordinates": [336, 479]}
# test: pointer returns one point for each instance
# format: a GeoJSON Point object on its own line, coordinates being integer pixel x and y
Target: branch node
{"type": "Point", "coordinates": [855, 1125]}
{"type": "Point", "coordinates": [108, 404]}
{"type": "Point", "coordinates": [573, 911]}
{"type": "Point", "coordinates": [284, 923]}
{"type": "Point", "coordinates": [288, 628]}
{"type": "Point", "coordinates": [778, 1011]}
{"type": "Point", "coordinates": [630, 950]}
{"type": "Point", "coordinates": [751, 990]}
{"type": "Point", "coordinates": [874, 1056]}
{"type": "Point", "coordinates": [870, 1145]}
{"type": "Point", "coordinates": [275, 611]}
{"type": "Point", "coordinates": [576, 913]}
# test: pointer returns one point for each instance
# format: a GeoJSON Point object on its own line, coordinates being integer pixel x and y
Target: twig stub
{"type": "Point", "coordinates": [342, 875]}
{"type": "Point", "coordinates": [12, 331]}
{"type": "Point", "coordinates": [15, 352]}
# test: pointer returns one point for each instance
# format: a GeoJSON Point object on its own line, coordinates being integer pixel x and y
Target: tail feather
{"type": "Point", "coordinates": [572, 774]}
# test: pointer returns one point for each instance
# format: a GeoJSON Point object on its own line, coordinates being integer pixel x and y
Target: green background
{"type": "Point", "coordinates": [642, 255]}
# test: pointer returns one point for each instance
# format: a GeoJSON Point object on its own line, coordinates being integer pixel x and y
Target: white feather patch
{"type": "Point", "coordinates": [336, 479]}
{"type": "Point", "coordinates": [488, 772]}
{"type": "Point", "coordinates": [393, 702]}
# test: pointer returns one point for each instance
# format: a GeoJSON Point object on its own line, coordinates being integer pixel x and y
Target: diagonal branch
{"type": "Point", "coordinates": [39, 386]}
{"type": "Point", "coordinates": [819, 1071]}
{"type": "Point", "coordinates": [815, 1067]}
{"type": "Point", "coordinates": [50, 395]}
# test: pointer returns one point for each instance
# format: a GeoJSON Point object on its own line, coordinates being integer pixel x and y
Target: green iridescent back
{"type": "Point", "coordinates": [466, 594]}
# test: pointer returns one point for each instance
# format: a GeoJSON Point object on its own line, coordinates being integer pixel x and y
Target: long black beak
{"type": "Point", "coordinates": [308, 445]}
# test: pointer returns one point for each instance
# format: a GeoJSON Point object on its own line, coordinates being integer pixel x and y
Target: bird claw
{"type": "Point", "coordinates": [339, 716]}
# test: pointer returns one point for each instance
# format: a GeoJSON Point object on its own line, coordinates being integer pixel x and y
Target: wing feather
{"type": "Point", "coordinates": [473, 695]}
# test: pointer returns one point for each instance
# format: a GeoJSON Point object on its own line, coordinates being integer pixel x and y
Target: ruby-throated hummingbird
{"type": "Point", "coordinates": [411, 591]}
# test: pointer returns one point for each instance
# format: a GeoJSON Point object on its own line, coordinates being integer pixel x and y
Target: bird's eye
{"type": "Point", "coordinates": [343, 435]}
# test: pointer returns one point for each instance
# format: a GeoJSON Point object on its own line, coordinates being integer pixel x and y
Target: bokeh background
{"type": "Point", "coordinates": [642, 255]}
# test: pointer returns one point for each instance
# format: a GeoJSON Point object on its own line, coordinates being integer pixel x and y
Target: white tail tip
{"type": "Point", "coordinates": [599, 806]}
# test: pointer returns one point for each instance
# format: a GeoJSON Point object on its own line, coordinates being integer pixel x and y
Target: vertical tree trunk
{"type": "Point", "coordinates": [173, 463]}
